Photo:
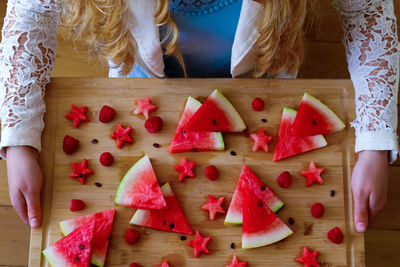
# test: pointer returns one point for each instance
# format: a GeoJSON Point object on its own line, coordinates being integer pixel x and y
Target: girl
{"type": "Point", "coordinates": [218, 38]}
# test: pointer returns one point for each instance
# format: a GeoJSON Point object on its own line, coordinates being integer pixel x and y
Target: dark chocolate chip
{"type": "Point", "coordinates": [94, 141]}
{"type": "Point", "coordinates": [291, 221]}
{"type": "Point", "coordinates": [232, 245]}
{"type": "Point", "coordinates": [183, 238]}
{"type": "Point", "coordinates": [172, 225]}
{"type": "Point", "coordinates": [97, 184]}
{"type": "Point", "coordinates": [214, 122]}
{"type": "Point", "coordinates": [156, 145]}
{"type": "Point", "coordinates": [233, 153]}
{"type": "Point", "coordinates": [81, 247]}
{"type": "Point", "coordinates": [264, 120]}
{"type": "Point", "coordinates": [332, 193]}
{"type": "Point", "coordinates": [262, 188]}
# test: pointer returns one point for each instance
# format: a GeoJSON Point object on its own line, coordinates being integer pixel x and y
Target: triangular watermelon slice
{"type": "Point", "coordinates": [249, 180]}
{"type": "Point", "coordinates": [216, 114]}
{"type": "Point", "coordinates": [74, 250]}
{"type": "Point", "coordinates": [314, 117]}
{"type": "Point", "coordinates": [260, 224]}
{"type": "Point", "coordinates": [194, 141]}
{"type": "Point", "coordinates": [102, 231]}
{"type": "Point", "coordinates": [288, 144]}
{"type": "Point", "coordinates": [170, 220]}
{"type": "Point", "coordinates": [139, 188]}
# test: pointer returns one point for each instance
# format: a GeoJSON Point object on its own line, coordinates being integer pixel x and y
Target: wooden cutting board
{"type": "Point", "coordinates": [170, 96]}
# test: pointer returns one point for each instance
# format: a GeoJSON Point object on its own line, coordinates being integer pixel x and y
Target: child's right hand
{"type": "Point", "coordinates": [24, 183]}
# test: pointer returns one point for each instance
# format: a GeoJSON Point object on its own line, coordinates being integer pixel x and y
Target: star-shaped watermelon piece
{"type": "Point", "coordinates": [214, 206]}
{"type": "Point", "coordinates": [145, 107]}
{"type": "Point", "coordinates": [309, 259]}
{"type": "Point", "coordinates": [80, 171]}
{"type": "Point", "coordinates": [164, 264]}
{"type": "Point", "coordinates": [261, 140]}
{"type": "Point", "coordinates": [237, 263]}
{"type": "Point", "coordinates": [122, 135]}
{"type": "Point", "coordinates": [77, 115]}
{"type": "Point", "coordinates": [200, 244]}
{"type": "Point", "coordinates": [313, 174]}
{"type": "Point", "coordinates": [185, 168]}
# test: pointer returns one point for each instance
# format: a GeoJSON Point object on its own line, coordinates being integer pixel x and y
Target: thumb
{"type": "Point", "coordinates": [34, 209]}
{"type": "Point", "coordinates": [361, 212]}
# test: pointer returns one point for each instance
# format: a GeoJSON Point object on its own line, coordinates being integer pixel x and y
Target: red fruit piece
{"type": "Point", "coordinates": [211, 172]}
{"type": "Point", "coordinates": [317, 210]}
{"type": "Point", "coordinates": [164, 264]}
{"type": "Point", "coordinates": [199, 244]}
{"type": "Point", "coordinates": [77, 115]}
{"type": "Point", "coordinates": [185, 168]}
{"type": "Point", "coordinates": [106, 114]}
{"type": "Point", "coordinates": [335, 235]}
{"type": "Point", "coordinates": [77, 205]}
{"type": "Point", "coordinates": [122, 135]}
{"type": "Point", "coordinates": [80, 171]}
{"type": "Point", "coordinates": [309, 259]}
{"type": "Point", "coordinates": [237, 263]}
{"type": "Point", "coordinates": [106, 159]}
{"type": "Point", "coordinates": [214, 206]}
{"type": "Point", "coordinates": [154, 124]}
{"type": "Point", "coordinates": [145, 107]}
{"type": "Point", "coordinates": [284, 179]}
{"type": "Point", "coordinates": [70, 144]}
{"type": "Point", "coordinates": [261, 140]}
{"type": "Point", "coordinates": [313, 174]}
{"type": "Point", "coordinates": [258, 104]}
{"type": "Point", "coordinates": [134, 264]}
{"type": "Point", "coordinates": [131, 236]}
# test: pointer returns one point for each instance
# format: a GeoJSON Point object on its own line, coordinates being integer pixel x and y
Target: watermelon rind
{"type": "Point", "coordinates": [206, 141]}
{"type": "Point", "coordinates": [123, 195]}
{"type": "Point", "coordinates": [262, 239]}
{"type": "Point", "coordinates": [53, 257]}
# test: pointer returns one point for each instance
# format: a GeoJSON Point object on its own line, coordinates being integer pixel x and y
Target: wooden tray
{"type": "Point", "coordinates": [170, 96]}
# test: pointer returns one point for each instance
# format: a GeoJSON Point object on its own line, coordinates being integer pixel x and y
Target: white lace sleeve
{"type": "Point", "coordinates": [370, 37]}
{"type": "Point", "coordinates": [27, 55]}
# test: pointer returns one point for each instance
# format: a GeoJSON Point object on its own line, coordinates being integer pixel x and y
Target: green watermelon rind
{"type": "Point", "coordinates": [51, 254]}
{"type": "Point", "coordinates": [232, 113]}
{"type": "Point", "coordinates": [256, 240]}
{"type": "Point", "coordinates": [333, 118]}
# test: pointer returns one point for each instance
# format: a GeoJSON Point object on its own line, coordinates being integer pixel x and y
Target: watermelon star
{"type": "Point", "coordinates": [185, 168]}
{"type": "Point", "coordinates": [261, 140]}
{"type": "Point", "coordinates": [309, 259]}
{"type": "Point", "coordinates": [214, 206]}
{"type": "Point", "coordinates": [77, 115]}
{"type": "Point", "coordinates": [145, 107]}
{"type": "Point", "coordinates": [122, 135]}
{"type": "Point", "coordinates": [199, 244]}
{"type": "Point", "coordinates": [164, 264]}
{"type": "Point", "coordinates": [237, 263]}
{"type": "Point", "coordinates": [313, 174]}
{"type": "Point", "coordinates": [81, 171]}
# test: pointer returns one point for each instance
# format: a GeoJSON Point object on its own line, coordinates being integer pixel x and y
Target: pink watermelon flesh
{"type": "Point", "coordinates": [139, 188]}
{"type": "Point", "coordinates": [194, 141]}
{"type": "Point", "coordinates": [216, 114]}
{"type": "Point", "coordinates": [288, 144]}
{"type": "Point", "coordinates": [314, 117]}
{"type": "Point", "coordinates": [170, 220]}
{"type": "Point", "coordinates": [260, 224]}
{"type": "Point", "coordinates": [102, 231]}
{"type": "Point", "coordinates": [249, 180]}
{"type": "Point", "coordinates": [74, 250]}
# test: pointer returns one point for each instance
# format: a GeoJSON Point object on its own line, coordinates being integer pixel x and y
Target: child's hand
{"type": "Point", "coordinates": [369, 185]}
{"type": "Point", "coordinates": [25, 182]}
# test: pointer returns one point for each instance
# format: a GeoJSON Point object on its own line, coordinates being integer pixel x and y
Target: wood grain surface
{"type": "Point", "coordinates": [170, 95]}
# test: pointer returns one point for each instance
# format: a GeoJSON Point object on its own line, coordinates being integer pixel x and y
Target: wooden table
{"type": "Point", "coordinates": [170, 95]}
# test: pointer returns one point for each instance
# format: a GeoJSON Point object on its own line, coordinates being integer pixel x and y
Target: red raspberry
{"type": "Point", "coordinates": [106, 159]}
{"type": "Point", "coordinates": [284, 179]}
{"type": "Point", "coordinates": [77, 205]}
{"type": "Point", "coordinates": [211, 172]}
{"type": "Point", "coordinates": [106, 114]}
{"type": "Point", "coordinates": [258, 104]}
{"type": "Point", "coordinates": [335, 235]}
{"type": "Point", "coordinates": [70, 144]}
{"type": "Point", "coordinates": [317, 210]}
{"type": "Point", "coordinates": [134, 264]}
{"type": "Point", "coordinates": [154, 124]}
{"type": "Point", "coordinates": [131, 236]}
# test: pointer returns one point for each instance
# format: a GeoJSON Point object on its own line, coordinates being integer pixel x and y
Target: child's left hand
{"type": "Point", "coordinates": [369, 184]}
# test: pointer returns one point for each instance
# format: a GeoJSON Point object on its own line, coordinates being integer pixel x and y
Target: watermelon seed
{"type": "Point", "coordinates": [291, 221]}
{"type": "Point", "coordinates": [164, 222]}
{"type": "Point", "coordinates": [183, 132]}
{"type": "Point", "coordinates": [80, 175]}
{"type": "Point", "coordinates": [155, 209]}
{"type": "Point", "coordinates": [82, 247]}
{"type": "Point", "coordinates": [94, 141]}
{"type": "Point", "coordinates": [232, 245]}
{"type": "Point", "coordinates": [156, 145]}
{"type": "Point", "coordinates": [260, 204]}
{"type": "Point", "coordinates": [195, 149]}
{"type": "Point", "coordinates": [183, 238]}
{"type": "Point", "coordinates": [263, 120]}
{"type": "Point", "coordinates": [77, 259]}
{"type": "Point", "coordinates": [98, 184]}
{"type": "Point", "coordinates": [233, 153]}
{"type": "Point", "coordinates": [262, 188]}
{"type": "Point", "coordinates": [171, 225]}
{"type": "Point", "coordinates": [214, 122]}
{"type": "Point", "coordinates": [307, 228]}
{"type": "Point", "coordinates": [314, 122]}
{"type": "Point", "coordinates": [332, 193]}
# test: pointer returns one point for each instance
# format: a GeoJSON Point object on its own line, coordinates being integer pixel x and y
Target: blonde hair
{"type": "Point", "coordinates": [100, 24]}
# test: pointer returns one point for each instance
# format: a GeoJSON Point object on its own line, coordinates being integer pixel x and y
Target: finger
{"type": "Point", "coordinates": [34, 209]}
{"type": "Point", "coordinates": [375, 206]}
{"type": "Point", "coordinates": [19, 204]}
{"type": "Point", "coordinates": [361, 212]}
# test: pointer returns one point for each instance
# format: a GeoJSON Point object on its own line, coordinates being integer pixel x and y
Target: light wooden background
{"type": "Point", "coordinates": [325, 59]}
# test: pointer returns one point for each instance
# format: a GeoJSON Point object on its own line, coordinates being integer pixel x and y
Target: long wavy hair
{"type": "Point", "coordinates": [100, 24]}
